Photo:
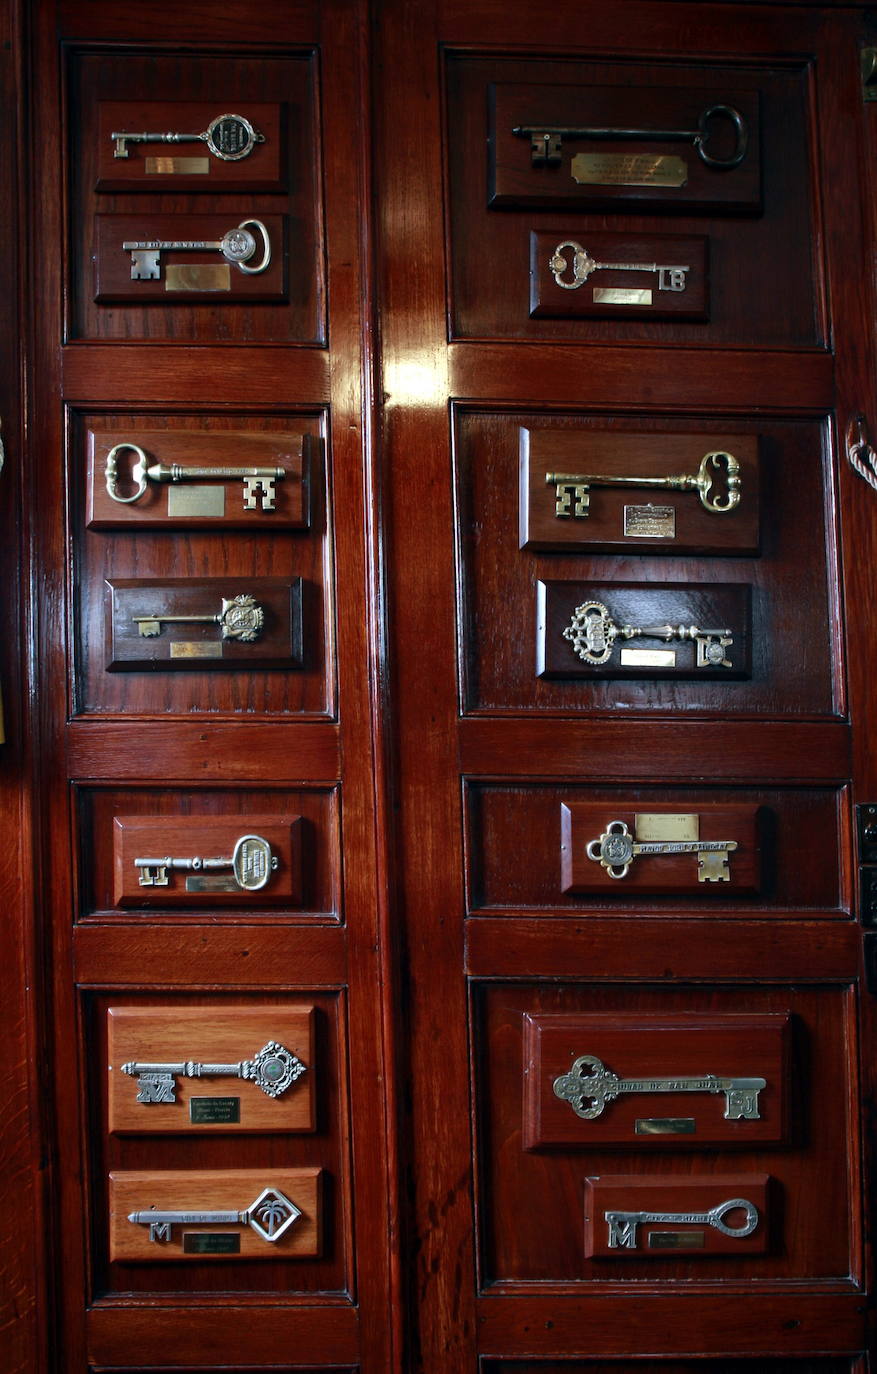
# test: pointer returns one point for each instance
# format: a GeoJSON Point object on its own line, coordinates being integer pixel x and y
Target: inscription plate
{"type": "Point", "coordinates": [186, 649]}
{"type": "Point", "coordinates": [629, 169]}
{"type": "Point", "coordinates": [676, 1240]}
{"type": "Point", "coordinates": [648, 658]}
{"type": "Point", "coordinates": [622, 295]}
{"type": "Point", "coordinates": [665, 1125]}
{"type": "Point", "coordinates": [666, 825]}
{"type": "Point", "coordinates": [214, 1111]}
{"type": "Point", "coordinates": [649, 522]}
{"type": "Point", "coordinates": [197, 276]}
{"type": "Point", "coordinates": [211, 1243]}
{"type": "Point", "coordinates": [177, 166]}
{"type": "Point", "coordinates": [204, 502]}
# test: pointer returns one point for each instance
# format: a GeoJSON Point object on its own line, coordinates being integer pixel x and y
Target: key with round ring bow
{"type": "Point", "coordinates": [237, 245]}
{"type": "Point", "coordinates": [623, 1225]}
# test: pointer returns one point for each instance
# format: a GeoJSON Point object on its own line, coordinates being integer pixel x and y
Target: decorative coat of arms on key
{"type": "Point", "coordinates": [592, 633]}
{"type": "Point", "coordinates": [273, 1069]}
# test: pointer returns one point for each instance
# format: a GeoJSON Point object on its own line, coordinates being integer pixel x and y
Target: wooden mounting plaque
{"type": "Point", "coordinates": [658, 1047]}
{"type": "Point", "coordinates": [190, 646]}
{"type": "Point", "coordinates": [678, 290]}
{"type": "Point", "coordinates": [208, 276]}
{"type": "Point", "coordinates": [186, 835]}
{"type": "Point", "coordinates": [690, 528]}
{"type": "Point", "coordinates": [660, 874]}
{"type": "Point", "coordinates": [188, 166]}
{"type": "Point", "coordinates": [216, 1034]}
{"type": "Point", "coordinates": [213, 1190]}
{"type": "Point", "coordinates": [635, 1193]}
{"type": "Point", "coordinates": [633, 171]}
{"type": "Point", "coordinates": [175, 505]}
{"type": "Point", "coordinates": [719, 605]}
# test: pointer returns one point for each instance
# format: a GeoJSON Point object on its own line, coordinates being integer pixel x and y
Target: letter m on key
{"type": "Point", "coordinates": [622, 1230]}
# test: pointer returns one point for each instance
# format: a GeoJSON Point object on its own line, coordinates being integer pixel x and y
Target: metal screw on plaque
{"type": "Point", "coordinates": [670, 278]}
{"type": "Point", "coordinates": [270, 1216]}
{"type": "Point", "coordinates": [240, 618]}
{"type": "Point", "coordinates": [546, 139]}
{"type": "Point", "coordinates": [258, 481]}
{"type": "Point", "coordinates": [252, 863]}
{"type": "Point", "coordinates": [575, 487]}
{"type": "Point", "coordinates": [616, 850]}
{"type": "Point", "coordinates": [228, 137]}
{"type": "Point", "coordinates": [592, 633]}
{"type": "Point", "coordinates": [273, 1069]}
{"type": "Point", "coordinates": [590, 1082]}
{"type": "Point", "coordinates": [237, 245]}
{"type": "Point", "coordinates": [623, 1225]}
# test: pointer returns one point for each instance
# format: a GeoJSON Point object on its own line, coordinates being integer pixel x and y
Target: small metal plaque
{"type": "Point", "coordinates": [664, 1125]}
{"type": "Point", "coordinates": [214, 1111]}
{"type": "Point", "coordinates": [676, 1240]}
{"type": "Point", "coordinates": [650, 522]}
{"type": "Point", "coordinates": [648, 658]}
{"type": "Point", "coordinates": [622, 295]}
{"type": "Point", "coordinates": [177, 166]}
{"type": "Point", "coordinates": [212, 883]}
{"type": "Point", "coordinates": [670, 825]}
{"type": "Point", "coordinates": [204, 501]}
{"type": "Point", "coordinates": [187, 649]}
{"type": "Point", "coordinates": [211, 1243]}
{"type": "Point", "coordinates": [629, 169]}
{"type": "Point", "coordinates": [198, 276]}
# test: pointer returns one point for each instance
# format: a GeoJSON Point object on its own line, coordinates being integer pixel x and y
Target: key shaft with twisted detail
{"type": "Point", "coordinates": [590, 1082]}
{"type": "Point", "coordinates": [623, 1225]}
{"type": "Point", "coordinates": [273, 1069]}
{"type": "Point", "coordinates": [573, 489]}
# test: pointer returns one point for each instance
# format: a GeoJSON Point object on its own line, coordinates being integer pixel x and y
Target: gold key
{"type": "Point", "coordinates": [240, 618]}
{"type": "Point", "coordinates": [573, 489]}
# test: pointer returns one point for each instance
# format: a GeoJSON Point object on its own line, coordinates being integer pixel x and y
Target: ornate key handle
{"type": "Point", "coordinates": [545, 139]}
{"type": "Point", "coordinates": [592, 633]}
{"type": "Point", "coordinates": [273, 1069]}
{"type": "Point", "coordinates": [239, 245]}
{"type": "Point", "coordinates": [614, 849]}
{"type": "Point", "coordinates": [139, 472]}
{"type": "Point", "coordinates": [270, 1216]}
{"type": "Point", "coordinates": [228, 137]}
{"type": "Point", "coordinates": [587, 1081]}
{"type": "Point", "coordinates": [601, 1085]}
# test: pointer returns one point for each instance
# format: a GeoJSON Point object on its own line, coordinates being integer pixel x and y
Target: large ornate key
{"type": "Point", "coordinates": [273, 1069]}
{"type": "Point", "coordinates": [623, 1225]}
{"type": "Point", "coordinates": [546, 139]}
{"type": "Point", "coordinates": [616, 850]}
{"type": "Point", "coordinates": [240, 618]}
{"type": "Point", "coordinates": [592, 633]}
{"type": "Point", "coordinates": [670, 278]}
{"type": "Point", "coordinates": [237, 245]}
{"type": "Point", "coordinates": [590, 1082]}
{"type": "Point", "coordinates": [258, 481]}
{"type": "Point", "coordinates": [252, 864]}
{"type": "Point", "coordinates": [576, 487]}
{"type": "Point", "coordinates": [270, 1216]}
{"type": "Point", "coordinates": [228, 137]}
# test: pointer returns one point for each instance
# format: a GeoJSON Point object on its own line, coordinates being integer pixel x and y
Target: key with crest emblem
{"type": "Point", "coordinates": [240, 618]}
{"type": "Point", "coordinates": [252, 863]}
{"type": "Point", "coordinates": [592, 633]}
{"type": "Point", "coordinates": [273, 1069]}
{"type": "Point", "coordinates": [572, 490]}
{"type": "Point", "coordinates": [270, 1216]}
{"type": "Point", "coordinates": [616, 849]}
{"type": "Point", "coordinates": [228, 137]}
{"type": "Point", "coordinates": [589, 1085]}
{"type": "Point", "coordinates": [258, 482]}
{"type": "Point", "coordinates": [237, 246]}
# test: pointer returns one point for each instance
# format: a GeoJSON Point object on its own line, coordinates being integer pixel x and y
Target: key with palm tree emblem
{"type": "Point", "coordinates": [270, 1216]}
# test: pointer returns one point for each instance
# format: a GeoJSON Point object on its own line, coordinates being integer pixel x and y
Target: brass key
{"type": "Point", "coordinates": [252, 864]}
{"type": "Point", "coordinates": [670, 278]}
{"type": "Point", "coordinates": [616, 850]}
{"type": "Point", "coordinates": [592, 633]}
{"type": "Point", "coordinates": [575, 487]}
{"type": "Point", "coordinates": [228, 137]}
{"type": "Point", "coordinates": [258, 481]}
{"type": "Point", "coordinates": [237, 245]}
{"type": "Point", "coordinates": [240, 618]}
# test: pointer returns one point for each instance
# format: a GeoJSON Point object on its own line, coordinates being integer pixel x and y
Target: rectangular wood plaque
{"type": "Point", "coordinates": [201, 1190]}
{"type": "Point", "coordinates": [648, 1047]}
{"type": "Point", "coordinates": [709, 606]}
{"type": "Point", "coordinates": [632, 518]}
{"type": "Point", "coordinates": [632, 1193]}
{"type": "Point", "coordinates": [207, 503]}
{"type": "Point", "coordinates": [186, 835]}
{"type": "Point", "coordinates": [190, 642]}
{"type": "Point", "coordinates": [642, 174]}
{"type": "Point", "coordinates": [189, 166]}
{"type": "Point", "coordinates": [583, 823]}
{"type": "Point", "coordinates": [216, 1034]}
{"type": "Point", "coordinates": [582, 273]}
{"type": "Point", "coordinates": [113, 264]}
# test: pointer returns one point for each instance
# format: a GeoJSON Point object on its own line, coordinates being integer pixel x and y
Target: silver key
{"type": "Point", "coordinates": [623, 1225]}
{"type": "Point", "coordinates": [273, 1069]}
{"type": "Point", "coordinates": [575, 487]}
{"type": "Point", "coordinates": [670, 278]}
{"type": "Point", "coordinates": [237, 245]}
{"type": "Point", "coordinates": [228, 137]}
{"type": "Point", "coordinates": [589, 1081]}
{"type": "Point", "coordinates": [592, 633]}
{"type": "Point", "coordinates": [252, 864]}
{"type": "Point", "coordinates": [240, 618]}
{"type": "Point", "coordinates": [616, 850]}
{"type": "Point", "coordinates": [258, 481]}
{"type": "Point", "coordinates": [270, 1216]}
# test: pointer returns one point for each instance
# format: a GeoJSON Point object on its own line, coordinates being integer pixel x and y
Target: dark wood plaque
{"type": "Point", "coordinates": [638, 1193]}
{"type": "Point", "coordinates": [190, 165]}
{"type": "Point", "coordinates": [616, 516]}
{"type": "Point", "coordinates": [579, 273]}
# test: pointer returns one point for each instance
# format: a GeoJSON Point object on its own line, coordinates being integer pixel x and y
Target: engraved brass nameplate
{"type": "Point", "coordinates": [189, 649]}
{"type": "Point", "coordinates": [214, 1111]}
{"type": "Point", "coordinates": [676, 1240]}
{"type": "Point", "coordinates": [197, 276]}
{"type": "Point", "coordinates": [666, 825]}
{"type": "Point", "coordinates": [648, 658]}
{"type": "Point", "coordinates": [664, 1125]}
{"type": "Point", "coordinates": [177, 166]}
{"type": "Point", "coordinates": [210, 1243]}
{"type": "Point", "coordinates": [622, 295]}
{"type": "Point", "coordinates": [183, 502]}
{"type": "Point", "coordinates": [629, 169]}
{"type": "Point", "coordinates": [649, 522]}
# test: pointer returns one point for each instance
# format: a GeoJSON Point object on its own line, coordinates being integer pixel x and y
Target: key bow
{"type": "Point", "coordinates": [587, 1081]}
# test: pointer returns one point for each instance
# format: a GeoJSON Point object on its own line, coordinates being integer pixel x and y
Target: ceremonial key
{"type": "Point", "coordinates": [616, 849]}
{"type": "Point", "coordinates": [228, 137]}
{"type": "Point", "coordinates": [252, 864]}
{"type": "Point", "coordinates": [237, 246]}
{"type": "Point", "coordinates": [270, 1216]}
{"type": "Point", "coordinates": [258, 481]}
{"type": "Point", "coordinates": [273, 1069]}
{"type": "Point", "coordinates": [589, 1081]}
{"type": "Point", "coordinates": [623, 1225]}
{"type": "Point", "coordinates": [592, 633]}
{"type": "Point", "coordinates": [546, 139]}
{"type": "Point", "coordinates": [240, 618]}
{"type": "Point", "coordinates": [670, 278]}
{"type": "Point", "coordinates": [574, 486]}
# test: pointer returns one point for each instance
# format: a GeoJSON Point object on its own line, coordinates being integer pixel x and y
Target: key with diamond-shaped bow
{"type": "Point", "coordinates": [623, 1225]}
{"type": "Point", "coordinates": [273, 1069]}
{"type": "Point", "coordinates": [616, 849]}
{"type": "Point", "coordinates": [270, 1216]}
{"type": "Point", "coordinates": [589, 1085]}
{"type": "Point", "coordinates": [237, 245]}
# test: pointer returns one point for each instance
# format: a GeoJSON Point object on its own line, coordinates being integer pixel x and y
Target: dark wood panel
{"type": "Point", "coordinates": [183, 953]}
{"type": "Point", "coordinates": [176, 378]}
{"type": "Point", "coordinates": [717, 1366]}
{"type": "Point", "coordinates": [223, 1334]}
{"type": "Point", "coordinates": [102, 749]}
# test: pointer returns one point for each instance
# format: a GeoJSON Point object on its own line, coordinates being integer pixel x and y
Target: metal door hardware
{"type": "Point", "coordinates": [240, 618]}
{"type": "Point", "coordinates": [273, 1069]}
{"type": "Point", "coordinates": [237, 245]}
{"type": "Point", "coordinates": [573, 487]}
{"type": "Point", "coordinates": [623, 1225]}
{"type": "Point", "coordinates": [251, 862]}
{"type": "Point", "coordinates": [590, 1082]}
{"type": "Point", "coordinates": [592, 633]}
{"type": "Point", "coordinates": [616, 849]}
{"type": "Point", "coordinates": [546, 139]}
{"type": "Point", "coordinates": [270, 1216]}
{"type": "Point", "coordinates": [228, 137]}
{"type": "Point", "coordinates": [670, 278]}
{"type": "Point", "coordinates": [258, 481]}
